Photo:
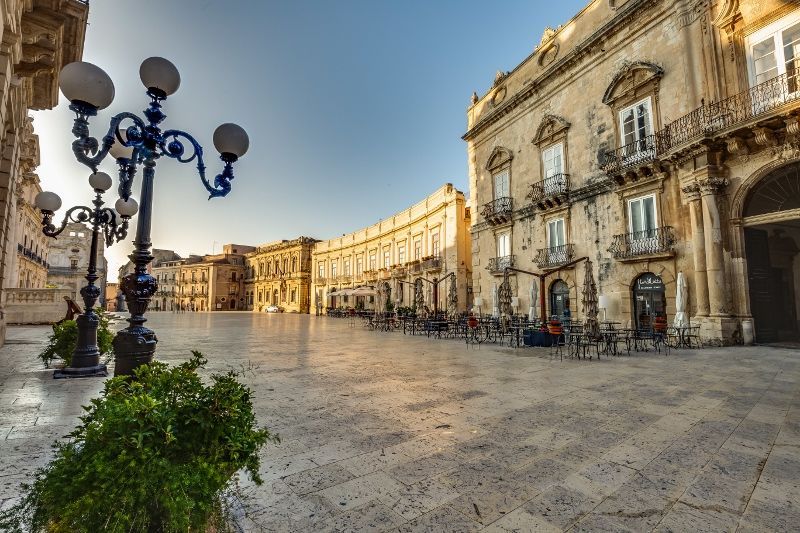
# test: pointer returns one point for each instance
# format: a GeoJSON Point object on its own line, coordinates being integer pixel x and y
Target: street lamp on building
{"type": "Point", "coordinates": [114, 225]}
{"type": "Point", "coordinates": [133, 141]}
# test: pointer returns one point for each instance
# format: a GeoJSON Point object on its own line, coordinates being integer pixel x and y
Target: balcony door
{"type": "Point", "coordinates": [503, 244]}
{"type": "Point", "coordinates": [501, 185]}
{"type": "Point", "coordinates": [773, 54]}
{"type": "Point", "coordinates": [642, 218]}
{"type": "Point", "coordinates": [555, 240]}
{"type": "Point", "coordinates": [636, 126]}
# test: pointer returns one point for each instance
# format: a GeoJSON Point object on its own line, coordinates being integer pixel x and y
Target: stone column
{"type": "Point", "coordinates": [715, 266]}
{"type": "Point", "coordinates": [692, 196]}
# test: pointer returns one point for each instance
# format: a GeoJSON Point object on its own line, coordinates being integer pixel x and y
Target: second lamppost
{"type": "Point", "coordinates": [141, 143]}
{"type": "Point", "coordinates": [114, 224]}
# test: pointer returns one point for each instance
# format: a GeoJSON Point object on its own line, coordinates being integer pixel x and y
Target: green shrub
{"type": "Point", "coordinates": [62, 341]}
{"type": "Point", "coordinates": [153, 454]}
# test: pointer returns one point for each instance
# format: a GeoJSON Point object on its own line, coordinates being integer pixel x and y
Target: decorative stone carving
{"type": "Point", "coordinates": [792, 126]}
{"type": "Point", "coordinates": [498, 95]}
{"type": "Point", "coordinates": [474, 99]}
{"type": "Point", "coordinates": [691, 192]}
{"type": "Point", "coordinates": [550, 126]}
{"type": "Point", "coordinates": [737, 146]}
{"type": "Point", "coordinates": [500, 156]}
{"type": "Point", "coordinates": [631, 74]}
{"type": "Point", "coordinates": [548, 55]}
{"type": "Point", "coordinates": [499, 77]}
{"type": "Point", "coordinates": [690, 13]}
{"type": "Point", "coordinates": [547, 35]}
{"type": "Point", "coordinates": [764, 136]}
{"type": "Point", "coordinates": [713, 185]}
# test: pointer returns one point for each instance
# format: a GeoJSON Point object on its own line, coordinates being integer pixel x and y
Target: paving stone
{"type": "Point", "coordinates": [444, 519]}
{"type": "Point", "coordinates": [318, 478]}
{"type": "Point", "coordinates": [561, 506]}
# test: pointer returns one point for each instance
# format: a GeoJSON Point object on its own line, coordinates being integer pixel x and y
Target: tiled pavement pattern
{"type": "Point", "coordinates": [383, 432]}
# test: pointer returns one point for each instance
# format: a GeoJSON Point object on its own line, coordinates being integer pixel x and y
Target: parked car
{"type": "Point", "coordinates": [273, 309]}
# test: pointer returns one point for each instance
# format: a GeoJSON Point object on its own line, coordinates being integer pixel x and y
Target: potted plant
{"type": "Point", "coordinates": [61, 343]}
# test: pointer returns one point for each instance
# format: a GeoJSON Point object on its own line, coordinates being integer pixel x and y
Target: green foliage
{"type": "Point", "coordinates": [153, 454]}
{"type": "Point", "coordinates": [389, 306]}
{"type": "Point", "coordinates": [62, 341]}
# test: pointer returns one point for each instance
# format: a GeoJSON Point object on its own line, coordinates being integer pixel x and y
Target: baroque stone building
{"type": "Point", "coordinates": [653, 137]}
{"type": "Point", "coordinates": [429, 241]}
{"type": "Point", "coordinates": [214, 282]}
{"type": "Point", "coordinates": [279, 273]}
{"type": "Point", "coordinates": [69, 261]}
{"type": "Point", "coordinates": [38, 38]}
{"type": "Point", "coordinates": [29, 265]}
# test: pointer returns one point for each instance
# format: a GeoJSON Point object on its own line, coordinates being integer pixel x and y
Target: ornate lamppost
{"type": "Point", "coordinates": [134, 142]}
{"type": "Point", "coordinates": [114, 224]}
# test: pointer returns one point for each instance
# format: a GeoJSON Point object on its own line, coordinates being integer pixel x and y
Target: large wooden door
{"type": "Point", "coordinates": [761, 278]}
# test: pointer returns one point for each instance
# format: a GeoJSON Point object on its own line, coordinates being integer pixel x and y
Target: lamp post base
{"type": "Point", "coordinates": [96, 371]}
{"type": "Point", "coordinates": [133, 346]}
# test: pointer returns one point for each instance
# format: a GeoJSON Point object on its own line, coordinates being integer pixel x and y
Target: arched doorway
{"type": "Point", "coordinates": [559, 299]}
{"type": "Point", "coordinates": [649, 300]}
{"type": "Point", "coordinates": [771, 220]}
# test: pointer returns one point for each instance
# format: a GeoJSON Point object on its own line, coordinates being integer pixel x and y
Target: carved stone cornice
{"type": "Point", "coordinates": [713, 185]}
{"type": "Point", "coordinates": [627, 13]}
{"type": "Point", "coordinates": [792, 126]}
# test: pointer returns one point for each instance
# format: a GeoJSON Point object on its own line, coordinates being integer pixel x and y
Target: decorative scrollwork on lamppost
{"type": "Point", "coordinates": [114, 225]}
{"type": "Point", "coordinates": [135, 142]}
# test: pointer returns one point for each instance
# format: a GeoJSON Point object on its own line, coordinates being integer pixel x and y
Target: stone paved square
{"type": "Point", "coordinates": [386, 432]}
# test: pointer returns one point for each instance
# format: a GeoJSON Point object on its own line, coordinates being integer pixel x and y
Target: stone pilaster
{"type": "Point", "coordinates": [692, 196]}
{"type": "Point", "coordinates": [712, 228]}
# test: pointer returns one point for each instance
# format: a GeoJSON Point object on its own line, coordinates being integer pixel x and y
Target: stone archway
{"type": "Point", "coordinates": [767, 211]}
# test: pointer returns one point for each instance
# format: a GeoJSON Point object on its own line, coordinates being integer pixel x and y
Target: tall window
{"type": "Point", "coordinates": [774, 50]}
{"type": "Point", "coordinates": [321, 269]}
{"type": "Point", "coordinates": [417, 249]}
{"type": "Point", "coordinates": [636, 123]}
{"type": "Point", "coordinates": [401, 254]}
{"type": "Point", "coordinates": [387, 257]}
{"type": "Point", "coordinates": [334, 268]}
{"type": "Point", "coordinates": [501, 186]}
{"type": "Point", "coordinates": [555, 233]}
{"type": "Point", "coordinates": [359, 265]}
{"type": "Point", "coordinates": [346, 267]}
{"type": "Point", "coordinates": [504, 244]}
{"type": "Point", "coordinates": [294, 295]}
{"type": "Point", "coordinates": [435, 243]}
{"type": "Point", "coordinates": [553, 160]}
{"type": "Point", "coordinates": [642, 217]}
{"type": "Point", "coordinates": [373, 261]}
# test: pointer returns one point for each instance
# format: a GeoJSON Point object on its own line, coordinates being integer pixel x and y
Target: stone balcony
{"type": "Point", "coordinates": [432, 264]}
{"type": "Point", "coordinates": [550, 192]}
{"type": "Point", "coordinates": [554, 256]}
{"type": "Point", "coordinates": [654, 243]}
{"type": "Point", "coordinates": [399, 271]}
{"type": "Point", "coordinates": [414, 267]}
{"type": "Point", "coordinates": [384, 273]}
{"type": "Point", "coordinates": [321, 281]}
{"type": "Point", "coordinates": [498, 265]}
{"type": "Point", "coordinates": [498, 211]}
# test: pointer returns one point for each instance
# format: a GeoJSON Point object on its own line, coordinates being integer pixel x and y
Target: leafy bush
{"type": "Point", "coordinates": [64, 338]}
{"type": "Point", "coordinates": [153, 454]}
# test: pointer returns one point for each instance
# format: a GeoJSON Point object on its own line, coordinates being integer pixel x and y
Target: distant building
{"type": "Point", "coordinates": [29, 264]}
{"type": "Point", "coordinates": [213, 282]}
{"type": "Point", "coordinates": [279, 274]}
{"type": "Point", "coordinates": [69, 261]}
{"type": "Point", "coordinates": [160, 256]}
{"type": "Point", "coordinates": [429, 241]}
{"type": "Point", "coordinates": [112, 291]}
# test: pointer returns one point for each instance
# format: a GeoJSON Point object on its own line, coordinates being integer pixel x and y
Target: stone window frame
{"type": "Point", "coordinates": [552, 130]}
{"type": "Point", "coordinates": [500, 161]}
{"type": "Point", "coordinates": [418, 236]}
{"type": "Point", "coordinates": [759, 34]}
{"type": "Point", "coordinates": [656, 191]}
{"type": "Point", "coordinates": [436, 229]}
{"type": "Point", "coordinates": [500, 230]}
{"type": "Point", "coordinates": [561, 214]}
{"type": "Point", "coordinates": [632, 83]}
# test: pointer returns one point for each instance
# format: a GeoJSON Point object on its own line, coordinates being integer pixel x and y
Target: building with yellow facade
{"type": "Point", "coordinates": [279, 274]}
{"type": "Point", "coordinates": [213, 282]}
{"type": "Point", "coordinates": [429, 242]}
{"type": "Point", "coordinates": [39, 37]}
{"type": "Point", "coordinates": [661, 140]}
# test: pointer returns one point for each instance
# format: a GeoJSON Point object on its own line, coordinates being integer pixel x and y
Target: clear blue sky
{"type": "Point", "coordinates": [354, 108]}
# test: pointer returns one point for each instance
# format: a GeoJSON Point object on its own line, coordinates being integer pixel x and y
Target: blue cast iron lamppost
{"type": "Point", "coordinates": [134, 141]}
{"type": "Point", "coordinates": [114, 224]}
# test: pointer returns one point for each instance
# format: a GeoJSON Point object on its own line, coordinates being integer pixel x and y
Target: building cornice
{"type": "Point", "coordinates": [624, 16]}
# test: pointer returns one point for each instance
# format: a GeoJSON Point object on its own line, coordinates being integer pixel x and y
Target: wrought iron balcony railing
{"type": "Point", "coordinates": [399, 271]}
{"type": "Point", "coordinates": [321, 280]}
{"type": "Point", "coordinates": [554, 256]}
{"type": "Point", "coordinates": [550, 191]}
{"type": "Point", "coordinates": [498, 211]}
{"type": "Point", "coordinates": [344, 279]}
{"type": "Point", "coordinates": [647, 242]}
{"type": "Point", "coordinates": [415, 267]}
{"type": "Point", "coordinates": [709, 119]}
{"type": "Point", "coordinates": [635, 154]}
{"type": "Point", "coordinates": [499, 264]}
